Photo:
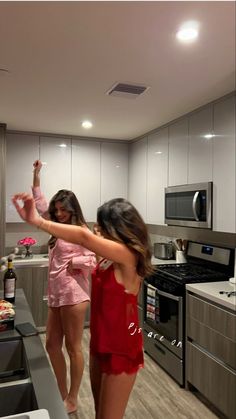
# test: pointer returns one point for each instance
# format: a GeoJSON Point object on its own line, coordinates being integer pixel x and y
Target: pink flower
{"type": "Point", "coordinates": [27, 241]}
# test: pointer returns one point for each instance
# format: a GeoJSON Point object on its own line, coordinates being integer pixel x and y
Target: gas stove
{"type": "Point", "coordinates": [205, 263]}
{"type": "Point", "coordinates": [190, 273]}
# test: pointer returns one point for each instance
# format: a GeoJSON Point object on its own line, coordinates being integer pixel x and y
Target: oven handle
{"type": "Point", "coordinates": [171, 296]}
{"type": "Point", "coordinates": [164, 294]}
{"type": "Point", "coordinates": [195, 198]}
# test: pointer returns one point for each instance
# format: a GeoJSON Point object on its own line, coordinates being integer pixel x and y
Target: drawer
{"type": "Point", "coordinates": [212, 316]}
{"type": "Point", "coordinates": [214, 342]}
{"type": "Point", "coordinates": [215, 381]}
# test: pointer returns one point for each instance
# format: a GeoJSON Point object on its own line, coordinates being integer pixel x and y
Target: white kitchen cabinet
{"type": "Point", "coordinates": [21, 151]}
{"type": "Point", "coordinates": [201, 147]}
{"type": "Point", "coordinates": [137, 180]}
{"type": "Point", "coordinates": [224, 175]}
{"type": "Point", "coordinates": [178, 153]}
{"type": "Point", "coordinates": [86, 176]}
{"type": "Point", "coordinates": [157, 175]}
{"type": "Point", "coordinates": [55, 154]}
{"type": "Point", "coordinates": [114, 171]}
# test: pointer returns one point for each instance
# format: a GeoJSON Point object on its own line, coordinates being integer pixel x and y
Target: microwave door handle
{"type": "Point", "coordinates": [195, 198]}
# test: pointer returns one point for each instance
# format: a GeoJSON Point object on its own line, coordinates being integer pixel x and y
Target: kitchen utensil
{"type": "Point", "coordinates": [184, 245]}
{"type": "Point", "coordinates": [163, 250]}
{"type": "Point", "coordinates": [178, 244]}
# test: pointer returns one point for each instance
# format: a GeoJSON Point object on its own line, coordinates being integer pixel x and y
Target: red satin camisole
{"type": "Point", "coordinates": [116, 338]}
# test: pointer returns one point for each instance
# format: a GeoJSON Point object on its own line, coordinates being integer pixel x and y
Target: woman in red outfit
{"type": "Point", "coordinates": [116, 340]}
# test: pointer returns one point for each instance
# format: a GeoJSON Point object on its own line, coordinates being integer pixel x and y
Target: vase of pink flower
{"type": "Point", "coordinates": [27, 242]}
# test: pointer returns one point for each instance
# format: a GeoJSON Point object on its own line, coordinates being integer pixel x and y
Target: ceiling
{"type": "Point", "coordinates": [62, 57]}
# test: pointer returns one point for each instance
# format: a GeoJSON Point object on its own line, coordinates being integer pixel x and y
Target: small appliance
{"type": "Point", "coordinates": [189, 205]}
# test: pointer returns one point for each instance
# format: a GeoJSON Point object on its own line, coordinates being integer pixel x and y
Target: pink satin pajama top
{"type": "Point", "coordinates": [66, 286]}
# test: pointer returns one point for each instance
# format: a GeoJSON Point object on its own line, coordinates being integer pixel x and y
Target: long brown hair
{"type": "Point", "coordinates": [70, 204]}
{"type": "Point", "coordinates": [120, 221]}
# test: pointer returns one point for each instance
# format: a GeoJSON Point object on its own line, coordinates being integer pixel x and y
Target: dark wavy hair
{"type": "Point", "coordinates": [71, 204]}
{"type": "Point", "coordinates": [119, 220]}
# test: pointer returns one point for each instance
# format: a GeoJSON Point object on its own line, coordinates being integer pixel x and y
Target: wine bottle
{"type": "Point", "coordinates": [9, 283]}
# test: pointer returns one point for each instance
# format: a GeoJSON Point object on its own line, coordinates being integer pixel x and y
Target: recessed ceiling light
{"type": "Point", "coordinates": [188, 32]}
{"type": "Point", "coordinates": [87, 124]}
{"type": "Point", "coordinates": [62, 145]}
{"type": "Point", "coordinates": [209, 136]}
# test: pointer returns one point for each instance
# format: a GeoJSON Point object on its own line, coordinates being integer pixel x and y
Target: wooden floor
{"type": "Point", "coordinates": [155, 395]}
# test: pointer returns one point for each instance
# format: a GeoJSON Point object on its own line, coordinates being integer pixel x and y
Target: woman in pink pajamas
{"type": "Point", "coordinates": [68, 289]}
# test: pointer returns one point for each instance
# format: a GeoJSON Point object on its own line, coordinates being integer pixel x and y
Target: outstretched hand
{"type": "Point", "coordinates": [28, 211]}
{"type": "Point", "coordinates": [37, 165]}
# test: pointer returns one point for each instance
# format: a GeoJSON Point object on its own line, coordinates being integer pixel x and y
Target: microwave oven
{"type": "Point", "coordinates": [189, 205]}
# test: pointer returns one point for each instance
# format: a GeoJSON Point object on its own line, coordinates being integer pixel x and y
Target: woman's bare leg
{"type": "Point", "coordinates": [95, 380]}
{"type": "Point", "coordinates": [114, 395]}
{"type": "Point", "coordinates": [54, 341]}
{"type": "Point", "coordinates": [72, 318]}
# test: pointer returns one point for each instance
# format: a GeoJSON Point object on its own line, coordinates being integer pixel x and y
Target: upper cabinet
{"type": "Point", "coordinates": [22, 151]}
{"type": "Point", "coordinates": [86, 176]}
{"type": "Point", "coordinates": [200, 146]}
{"type": "Point", "coordinates": [224, 175]}
{"type": "Point", "coordinates": [114, 171]}
{"type": "Point", "coordinates": [55, 154]}
{"type": "Point", "coordinates": [137, 179]}
{"type": "Point", "coordinates": [178, 153]}
{"type": "Point", "coordinates": [157, 173]}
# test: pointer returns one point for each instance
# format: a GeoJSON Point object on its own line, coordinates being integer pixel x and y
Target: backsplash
{"type": "Point", "coordinates": [17, 231]}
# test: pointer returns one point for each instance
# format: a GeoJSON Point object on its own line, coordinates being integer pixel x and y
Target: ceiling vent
{"type": "Point", "coordinates": [130, 91]}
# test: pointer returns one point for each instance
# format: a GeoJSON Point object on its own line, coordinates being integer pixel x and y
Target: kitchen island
{"type": "Point", "coordinates": [44, 383]}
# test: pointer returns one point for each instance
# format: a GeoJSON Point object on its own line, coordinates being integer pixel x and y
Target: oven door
{"type": "Point", "coordinates": [163, 313]}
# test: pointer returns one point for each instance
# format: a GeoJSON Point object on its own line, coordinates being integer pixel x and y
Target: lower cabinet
{"type": "Point", "coordinates": [211, 353]}
{"type": "Point", "coordinates": [34, 283]}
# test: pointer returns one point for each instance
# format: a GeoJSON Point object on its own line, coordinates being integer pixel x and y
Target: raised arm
{"type": "Point", "coordinates": [36, 173]}
{"type": "Point", "coordinates": [109, 249]}
{"type": "Point", "coordinates": [40, 201]}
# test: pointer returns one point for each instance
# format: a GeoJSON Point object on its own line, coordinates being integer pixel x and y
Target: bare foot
{"type": "Point", "coordinates": [70, 405]}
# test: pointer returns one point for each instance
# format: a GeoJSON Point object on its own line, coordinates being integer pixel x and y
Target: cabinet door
{"type": "Point", "coordinates": [157, 174]}
{"type": "Point", "coordinates": [224, 179]}
{"type": "Point", "coordinates": [21, 151]}
{"type": "Point", "coordinates": [114, 171]}
{"type": "Point", "coordinates": [200, 146]}
{"type": "Point", "coordinates": [212, 378]}
{"type": "Point", "coordinates": [137, 186]}
{"type": "Point", "coordinates": [55, 154]}
{"type": "Point", "coordinates": [38, 304]}
{"type": "Point", "coordinates": [178, 153]}
{"type": "Point", "coordinates": [86, 176]}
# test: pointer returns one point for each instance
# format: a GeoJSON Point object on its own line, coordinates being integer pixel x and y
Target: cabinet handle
{"type": "Point", "coordinates": [160, 349]}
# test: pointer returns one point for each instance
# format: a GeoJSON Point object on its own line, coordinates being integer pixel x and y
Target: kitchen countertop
{"type": "Point", "coordinates": [210, 290]}
{"type": "Point", "coordinates": [156, 261]}
{"type": "Point", "coordinates": [41, 260]}
{"type": "Point", "coordinates": [38, 260]}
{"type": "Point", "coordinates": [40, 371]}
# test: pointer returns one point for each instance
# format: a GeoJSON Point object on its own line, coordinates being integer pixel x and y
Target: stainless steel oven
{"type": "Point", "coordinates": [189, 205]}
{"type": "Point", "coordinates": [163, 325]}
{"type": "Point", "coordinates": [164, 302]}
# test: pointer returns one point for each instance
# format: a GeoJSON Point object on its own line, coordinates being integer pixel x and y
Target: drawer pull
{"type": "Point", "coordinates": [160, 349]}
